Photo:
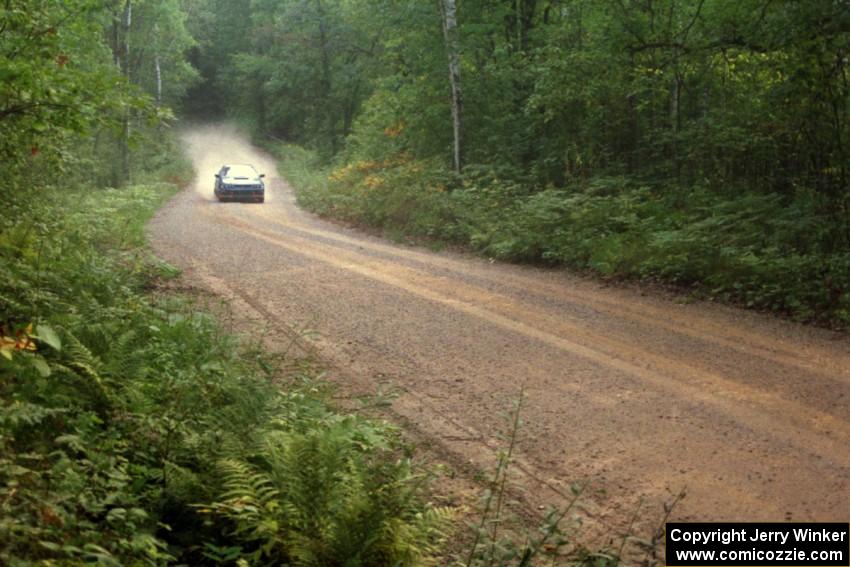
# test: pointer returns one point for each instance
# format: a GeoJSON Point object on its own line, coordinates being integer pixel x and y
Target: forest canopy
{"type": "Point", "coordinates": [728, 94]}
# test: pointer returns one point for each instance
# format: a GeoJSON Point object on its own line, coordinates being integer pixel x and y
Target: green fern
{"type": "Point", "coordinates": [126, 359]}
{"type": "Point", "coordinates": [81, 359]}
{"type": "Point", "coordinates": [18, 413]}
{"type": "Point", "coordinates": [319, 499]}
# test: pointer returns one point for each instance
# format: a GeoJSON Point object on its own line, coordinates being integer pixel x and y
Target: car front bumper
{"type": "Point", "coordinates": [241, 194]}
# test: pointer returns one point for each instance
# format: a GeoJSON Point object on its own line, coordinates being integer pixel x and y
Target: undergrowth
{"type": "Point", "coordinates": [134, 430]}
{"type": "Point", "coordinates": [759, 250]}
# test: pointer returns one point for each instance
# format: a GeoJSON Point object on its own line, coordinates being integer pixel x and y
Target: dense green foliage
{"type": "Point", "coordinates": [704, 143]}
{"type": "Point", "coordinates": [75, 102]}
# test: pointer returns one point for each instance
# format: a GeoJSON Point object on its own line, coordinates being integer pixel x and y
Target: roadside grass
{"type": "Point", "coordinates": [135, 430]}
{"type": "Point", "coordinates": [760, 251]}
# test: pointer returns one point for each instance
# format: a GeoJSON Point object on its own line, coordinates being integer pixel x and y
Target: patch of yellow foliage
{"type": "Point", "coordinates": [394, 131]}
{"type": "Point", "coordinates": [373, 181]}
{"type": "Point", "coordinates": [21, 341]}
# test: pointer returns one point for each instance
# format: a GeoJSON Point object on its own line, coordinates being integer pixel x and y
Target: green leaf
{"type": "Point", "coordinates": [50, 545]}
{"type": "Point", "coordinates": [47, 335]}
{"type": "Point", "coordinates": [41, 366]}
{"type": "Point", "coordinates": [116, 515]}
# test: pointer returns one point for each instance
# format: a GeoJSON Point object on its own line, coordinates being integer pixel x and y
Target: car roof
{"type": "Point", "coordinates": [240, 170]}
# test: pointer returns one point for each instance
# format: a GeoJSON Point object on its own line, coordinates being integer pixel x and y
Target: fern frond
{"type": "Point", "coordinates": [81, 359]}
{"type": "Point", "coordinates": [241, 482]}
{"type": "Point", "coordinates": [124, 357]}
{"type": "Point", "coordinates": [80, 363]}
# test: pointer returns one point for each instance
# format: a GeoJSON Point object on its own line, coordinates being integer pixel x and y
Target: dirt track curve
{"type": "Point", "coordinates": [635, 394]}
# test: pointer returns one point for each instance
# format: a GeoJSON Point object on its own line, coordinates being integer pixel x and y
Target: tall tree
{"type": "Point", "coordinates": [125, 48]}
{"type": "Point", "coordinates": [448, 9]}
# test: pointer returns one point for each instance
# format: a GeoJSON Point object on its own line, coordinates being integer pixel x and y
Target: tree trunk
{"type": "Point", "coordinates": [116, 36]}
{"type": "Point", "coordinates": [676, 120]}
{"type": "Point", "coordinates": [157, 66]}
{"type": "Point", "coordinates": [125, 140]}
{"type": "Point", "coordinates": [327, 85]}
{"type": "Point", "coordinates": [448, 9]}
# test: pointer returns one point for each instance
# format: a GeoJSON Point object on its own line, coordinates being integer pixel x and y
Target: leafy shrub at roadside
{"type": "Point", "coordinates": [124, 417]}
{"type": "Point", "coordinates": [400, 194]}
{"type": "Point", "coordinates": [761, 250]}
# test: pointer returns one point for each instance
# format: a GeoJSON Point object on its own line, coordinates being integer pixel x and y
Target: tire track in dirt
{"type": "Point", "coordinates": [808, 358]}
{"type": "Point", "coordinates": [787, 419]}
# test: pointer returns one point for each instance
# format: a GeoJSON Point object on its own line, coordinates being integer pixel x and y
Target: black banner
{"type": "Point", "coordinates": [758, 545]}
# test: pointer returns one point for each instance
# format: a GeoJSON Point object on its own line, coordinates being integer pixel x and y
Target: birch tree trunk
{"type": "Point", "coordinates": [125, 141]}
{"type": "Point", "coordinates": [448, 9]}
{"type": "Point", "coordinates": [116, 36]}
{"type": "Point", "coordinates": [157, 65]}
{"type": "Point", "coordinates": [327, 86]}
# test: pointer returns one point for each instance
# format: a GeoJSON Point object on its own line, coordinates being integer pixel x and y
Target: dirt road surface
{"type": "Point", "coordinates": [628, 391]}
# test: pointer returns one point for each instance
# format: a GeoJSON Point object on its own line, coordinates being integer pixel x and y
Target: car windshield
{"type": "Point", "coordinates": [241, 172]}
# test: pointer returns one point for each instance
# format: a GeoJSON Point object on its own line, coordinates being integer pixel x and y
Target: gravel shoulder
{"type": "Point", "coordinates": [630, 393]}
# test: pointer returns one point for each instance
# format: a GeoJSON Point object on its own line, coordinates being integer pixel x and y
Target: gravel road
{"type": "Point", "coordinates": [626, 390]}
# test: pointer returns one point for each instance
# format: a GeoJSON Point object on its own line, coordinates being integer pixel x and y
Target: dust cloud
{"type": "Point", "coordinates": [211, 146]}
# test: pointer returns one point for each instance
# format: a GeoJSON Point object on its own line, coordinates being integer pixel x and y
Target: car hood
{"type": "Point", "coordinates": [238, 182]}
